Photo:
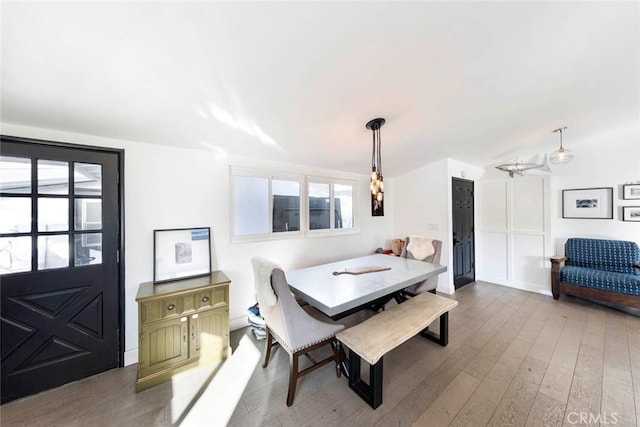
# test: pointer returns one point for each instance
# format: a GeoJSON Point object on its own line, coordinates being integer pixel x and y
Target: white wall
{"type": "Point", "coordinates": [422, 206]}
{"type": "Point", "coordinates": [513, 249]}
{"type": "Point", "coordinates": [513, 245]}
{"type": "Point", "coordinates": [607, 161]}
{"type": "Point", "coordinates": [168, 187]}
{"type": "Point", "coordinates": [513, 231]}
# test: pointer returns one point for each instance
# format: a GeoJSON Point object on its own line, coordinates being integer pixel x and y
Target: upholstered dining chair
{"type": "Point", "coordinates": [423, 249]}
{"type": "Point", "coordinates": [293, 328]}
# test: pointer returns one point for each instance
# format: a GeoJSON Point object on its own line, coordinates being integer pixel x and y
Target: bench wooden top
{"type": "Point", "coordinates": [383, 332]}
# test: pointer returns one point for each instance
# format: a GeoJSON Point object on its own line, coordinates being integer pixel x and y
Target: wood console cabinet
{"type": "Point", "coordinates": [180, 323]}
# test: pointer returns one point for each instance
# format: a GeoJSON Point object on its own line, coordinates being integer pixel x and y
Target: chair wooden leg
{"type": "Point", "coordinates": [267, 348]}
{"type": "Point", "coordinates": [293, 378]}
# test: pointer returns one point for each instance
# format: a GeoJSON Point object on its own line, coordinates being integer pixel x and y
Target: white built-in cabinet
{"type": "Point", "coordinates": [513, 232]}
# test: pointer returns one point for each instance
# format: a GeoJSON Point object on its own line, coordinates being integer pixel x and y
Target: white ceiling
{"type": "Point", "coordinates": [480, 82]}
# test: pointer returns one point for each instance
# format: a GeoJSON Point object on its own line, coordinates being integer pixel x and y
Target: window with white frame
{"type": "Point", "coordinates": [330, 204]}
{"type": "Point", "coordinates": [266, 205]}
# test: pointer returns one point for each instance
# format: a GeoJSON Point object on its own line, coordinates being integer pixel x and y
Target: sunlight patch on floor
{"type": "Point", "coordinates": [219, 399]}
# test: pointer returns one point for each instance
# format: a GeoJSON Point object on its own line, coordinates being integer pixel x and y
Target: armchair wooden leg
{"type": "Point", "coordinates": [267, 348]}
{"type": "Point", "coordinates": [555, 285]}
{"type": "Point", "coordinates": [293, 378]}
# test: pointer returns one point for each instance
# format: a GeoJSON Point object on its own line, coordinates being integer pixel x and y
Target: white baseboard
{"type": "Point", "coordinates": [130, 357]}
{"type": "Point", "coordinates": [516, 285]}
{"type": "Point", "coordinates": [238, 323]}
{"type": "Point", "coordinates": [445, 289]}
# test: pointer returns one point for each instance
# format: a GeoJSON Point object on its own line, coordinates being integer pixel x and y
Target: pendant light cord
{"type": "Point", "coordinates": [379, 152]}
{"type": "Point", "coordinates": [560, 130]}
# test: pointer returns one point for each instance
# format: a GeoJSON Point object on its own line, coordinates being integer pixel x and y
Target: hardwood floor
{"type": "Point", "coordinates": [514, 358]}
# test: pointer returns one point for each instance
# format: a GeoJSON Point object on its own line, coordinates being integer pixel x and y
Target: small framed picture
{"type": "Point", "coordinates": [588, 203]}
{"type": "Point", "coordinates": [631, 213]}
{"type": "Point", "coordinates": [631, 191]}
{"type": "Point", "coordinates": [181, 253]}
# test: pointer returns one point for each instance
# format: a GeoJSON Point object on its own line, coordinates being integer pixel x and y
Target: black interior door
{"type": "Point", "coordinates": [59, 255]}
{"type": "Point", "coordinates": [463, 236]}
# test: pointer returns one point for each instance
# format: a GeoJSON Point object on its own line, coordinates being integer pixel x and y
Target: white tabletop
{"type": "Point", "coordinates": [337, 294]}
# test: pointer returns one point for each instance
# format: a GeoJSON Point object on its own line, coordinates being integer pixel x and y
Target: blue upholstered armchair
{"type": "Point", "coordinates": [606, 270]}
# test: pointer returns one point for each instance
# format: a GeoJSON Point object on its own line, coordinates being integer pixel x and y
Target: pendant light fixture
{"type": "Point", "coordinates": [561, 156]}
{"type": "Point", "coordinates": [377, 180]}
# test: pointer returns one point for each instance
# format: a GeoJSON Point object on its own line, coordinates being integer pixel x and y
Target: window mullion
{"type": "Point", "coordinates": [271, 233]}
{"type": "Point", "coordinates": [304, 206]}
{"type": "Point", "coordinates": [72, 212]}
{"type": "Point", "coordinates": [34, 214]}
{"type": "Point", "coordinates": [332, 215]}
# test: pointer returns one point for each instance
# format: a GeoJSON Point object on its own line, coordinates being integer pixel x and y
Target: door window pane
{"type": "Point", "coordinates": [319, 206]}
{"type": "Point", "coordinates": [88, 249]}
{"type": "Point", "coordinates": [343, 195]}
{"type": "Point", "coordinates": [53, 214]}
{"type": "Point", "coordinates": [286, 205]}
{"type": "Point", "coordinates": [15, 175]}
{"type": "Point", "coordinates": [15, 214]}
{"type": "Point", "coordinates": [53, 252]}
{"type": "Point", "coordinates": [88, 214]}
{"type": "Point", "coordinates": [53, 177]}
{"type": "Point", "coordinates": [251, 205]}
{"type": "Point", "coordinates": [87, 179]}
{"type": "Point", "coordinates": [15, 254]}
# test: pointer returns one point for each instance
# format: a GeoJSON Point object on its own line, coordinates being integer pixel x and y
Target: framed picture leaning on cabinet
{"type": "Point", "coordinates": [181, 253]}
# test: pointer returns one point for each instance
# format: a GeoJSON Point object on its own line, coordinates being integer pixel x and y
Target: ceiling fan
{"type": "Point", "coordinates": [520, 167]}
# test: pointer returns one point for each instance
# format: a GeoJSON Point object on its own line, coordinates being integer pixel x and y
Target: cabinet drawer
{"type": "Point", "coordinates": [165, 308]}
{"type": "Point", "coordinates": [214, 297]}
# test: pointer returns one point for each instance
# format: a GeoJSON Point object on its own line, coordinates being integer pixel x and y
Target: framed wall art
{"type": "Point", "coordinates": [181, 253]}
{"type": "Point", "coordinates": [631, 191]}
{"type": "Point", "coordinates": [631, 213]}
{"type": "Point", "coordinates": [588, 203]}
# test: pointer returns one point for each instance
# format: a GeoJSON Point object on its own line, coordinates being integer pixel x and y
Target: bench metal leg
{"type": "Point", "coordinates": [443, 337]}
{"type": "Point", "coordinates": [342, 355]}
{"type": "Point", "coordinates": [372, 392]}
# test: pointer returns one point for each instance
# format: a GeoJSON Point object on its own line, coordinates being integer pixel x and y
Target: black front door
{"type": "Point", "coordinates": [463, 238]}
{"type": "Point", "coordinates": [59, 271]}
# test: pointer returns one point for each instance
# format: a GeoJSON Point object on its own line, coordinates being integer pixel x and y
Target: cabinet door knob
{"type": "Point", "coordinates": [171, 307]}
{"type": "Point", "coordinates": [205, 298]}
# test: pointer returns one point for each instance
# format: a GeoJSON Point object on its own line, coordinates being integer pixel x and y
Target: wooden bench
{"type": "Point", "coordinates": [376, 336]}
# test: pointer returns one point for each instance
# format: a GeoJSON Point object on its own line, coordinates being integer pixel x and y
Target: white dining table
{"type": "Point", "coordinates": [339, 294]}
